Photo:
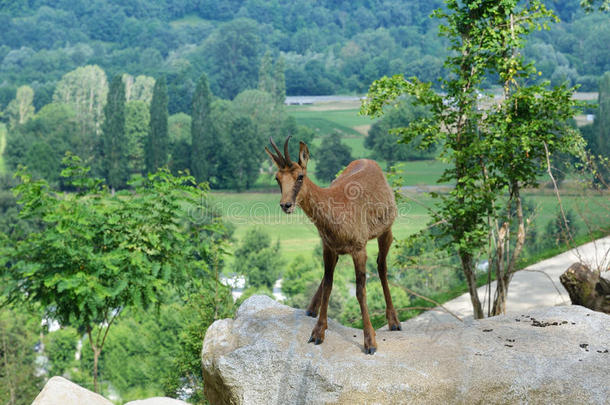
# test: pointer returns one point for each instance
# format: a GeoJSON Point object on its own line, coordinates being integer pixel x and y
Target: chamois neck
{"type": "Point", "coordinates": [310, 197]}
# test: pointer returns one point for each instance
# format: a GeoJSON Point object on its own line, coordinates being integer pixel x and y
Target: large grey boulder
{"type": "Point", "coordinates": [59, 391]}
{"type": "Point", "coordinates": [548, 355]}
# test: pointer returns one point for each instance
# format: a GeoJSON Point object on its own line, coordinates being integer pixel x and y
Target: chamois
{"type": "Point", "coordinates": [358, 206]}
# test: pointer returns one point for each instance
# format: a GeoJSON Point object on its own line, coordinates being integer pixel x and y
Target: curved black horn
{"type": "Point", "coordinates": [282, 161]}
{"type": "Point", "coordinates": [286, 154]}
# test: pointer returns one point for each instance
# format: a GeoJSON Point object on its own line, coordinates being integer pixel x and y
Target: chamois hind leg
{"type": "Point", "coordinates": [385, 241]}
{"type": "Point", "coordinates": [330, 260]}
{"type": "Point", "coordinates": [370, 344]}
{"type": "Point", "coordinates": [314, 305]}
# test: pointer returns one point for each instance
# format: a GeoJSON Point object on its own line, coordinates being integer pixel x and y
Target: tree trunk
{"type": "Point", "coordinates": [587, 288]}
{"type": "Point", "coordinates": [471, 279]}
{"type": "Point", "coordinates": [96, 356]}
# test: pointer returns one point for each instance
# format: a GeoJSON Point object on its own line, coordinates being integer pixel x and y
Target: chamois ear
{"type": "Point", "coordinates": [303, 155]}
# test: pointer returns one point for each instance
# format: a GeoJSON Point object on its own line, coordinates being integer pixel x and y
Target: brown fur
{"type": "Point", "coordinates": [358, 206]}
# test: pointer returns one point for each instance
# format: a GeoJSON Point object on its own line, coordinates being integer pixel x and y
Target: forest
{"type": "Point", "coordinates": [328, 47]}
{"type": "Point", "coordinates": [134, 183]}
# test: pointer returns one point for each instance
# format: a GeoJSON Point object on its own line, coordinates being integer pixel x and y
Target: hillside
{"type": "Point", "coordinates": [329, 47]}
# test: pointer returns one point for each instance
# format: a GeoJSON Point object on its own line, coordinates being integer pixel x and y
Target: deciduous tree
{"type": "Point", "coordinates": [332, 156]}
{"type": "Point", "coordinates": [494, 154]}
{"type": "Point", "coordinates": [21, 109]}
{"type": "Point", "coordinates": [84, 89]}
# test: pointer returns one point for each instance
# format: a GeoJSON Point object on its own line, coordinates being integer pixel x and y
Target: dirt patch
{"type": "Point", "coordinates": [363, 129]}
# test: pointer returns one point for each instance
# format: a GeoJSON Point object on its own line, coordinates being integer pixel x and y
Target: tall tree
{"type": "Point", "coordinates": [137, 124]}
{"type": "Point", "coordinates": [157, 143]}
{"type": "Point", "coordinates": [265, 73]}
{"type": "Point", "coordinates": [279, 81]}
{"type": "Point", "coordinates": [139, 88]}
{"type": "Point", "coordinates": [114, 153]}
{"type": "Point", "coordinates": [203, 137]}
{"type": "Point", "coordinates": [21, 108]}
{"type": "Point", "coordinates": [494, 154]}
{"type": "Point", "coordinates": [85, 90]}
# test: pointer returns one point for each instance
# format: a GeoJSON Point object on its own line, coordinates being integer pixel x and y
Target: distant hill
{"type": "Point", "coordinates": [329, 47]}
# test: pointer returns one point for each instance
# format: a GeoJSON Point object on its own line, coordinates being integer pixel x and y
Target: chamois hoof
{"type": "Point", "coordinates": [311, 313]}
{"type": "Point", "coordinates": [370, 350]}
{"type": "Point", "coordinates": [316, 341]}
{"type": "Point", "coordinates": [396, 327]}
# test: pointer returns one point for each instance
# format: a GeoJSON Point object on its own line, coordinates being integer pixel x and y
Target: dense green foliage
{"type": "Point", "coordinates": [328, 47]}
{"type": "Point", "coordinates": [98, 254]}
{"type": "Point", "coordinates": [19, 379]}
{"type": "Point", "coordinates": [332, 157]}
{"type": "Point", "coordinates": [383, 141]}
{"type": "Point", "coordinates": [60, 347]}
{"type": "Point", "coordinates": [258, 259]}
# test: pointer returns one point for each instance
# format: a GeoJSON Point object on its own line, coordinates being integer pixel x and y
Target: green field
{"type": "Point", "coordinates": [336, 117]}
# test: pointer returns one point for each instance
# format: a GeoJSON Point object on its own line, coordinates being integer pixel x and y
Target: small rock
{"type": "Point", "coordinates": [60, 391]}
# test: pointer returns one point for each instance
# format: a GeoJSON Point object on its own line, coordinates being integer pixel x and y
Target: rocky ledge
{"type": "Point", "coordinates": [548, 355]}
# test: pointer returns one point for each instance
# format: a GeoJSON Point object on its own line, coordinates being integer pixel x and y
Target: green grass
{"type": "Point", "coordinates": [422, 172]}
{"type": "Point", "coordinates": [325, 122]}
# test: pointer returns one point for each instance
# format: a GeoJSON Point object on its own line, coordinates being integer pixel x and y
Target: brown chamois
{"type": "Point", "coordinates": [358, 206]}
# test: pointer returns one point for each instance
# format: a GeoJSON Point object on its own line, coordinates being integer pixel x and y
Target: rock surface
{"type": "Point", "coordinates": [548, 355]}
{"type": "Point", "coordinates": [59, 391]}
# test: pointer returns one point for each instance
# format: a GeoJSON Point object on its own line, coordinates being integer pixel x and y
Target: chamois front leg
{"type": "Point", "coordinates": [314, 305]}
{"type": "Point", "coordinates": [330, 259]}
{"type": "Point", "coordinates": [384, 242]}
{"type": "Point", "coordinates": [370, 344]}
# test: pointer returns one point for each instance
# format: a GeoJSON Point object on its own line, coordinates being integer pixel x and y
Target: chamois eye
{"type": "Point", "coordinates": [300, 178]}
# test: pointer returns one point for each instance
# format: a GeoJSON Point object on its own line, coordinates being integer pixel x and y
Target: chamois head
{"type": "Point", "coordinates": [290, 175]}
